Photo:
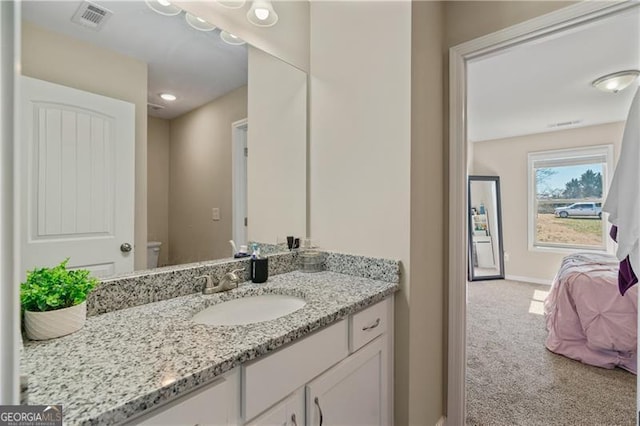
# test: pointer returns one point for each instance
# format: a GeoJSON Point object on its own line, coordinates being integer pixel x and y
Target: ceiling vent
{"type": "Point", "coordinates": [154, 107]}
{"type": "Point", "coordinates": [90, 15]}
{"type": "Point", "coordinates": [565, 123]}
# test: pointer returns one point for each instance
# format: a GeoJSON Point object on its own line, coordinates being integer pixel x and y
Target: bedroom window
{"type": "Point", "coordinates": [566, 191]}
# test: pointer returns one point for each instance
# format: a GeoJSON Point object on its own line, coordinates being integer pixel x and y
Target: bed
{"type": "Point", "coordinates": [586, 316]}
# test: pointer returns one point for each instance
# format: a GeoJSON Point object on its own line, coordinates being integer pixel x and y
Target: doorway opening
{"type": "Point", "coordinates": [240, 153]}
{"type": "Point", "coordinates": [564, 21]}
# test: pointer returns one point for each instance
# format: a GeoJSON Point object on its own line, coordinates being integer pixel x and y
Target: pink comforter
{"type": "Point", "coordinates": [587, 318]}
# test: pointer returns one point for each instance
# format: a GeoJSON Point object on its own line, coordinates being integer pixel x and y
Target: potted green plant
{"type": "Point", "coordinates": [54, 301]}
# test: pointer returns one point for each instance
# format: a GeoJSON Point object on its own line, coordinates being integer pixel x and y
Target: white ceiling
{"type": "Point", "coordinates": [530, 87]}
{"type": "Point", "coordinates": [196, 66]}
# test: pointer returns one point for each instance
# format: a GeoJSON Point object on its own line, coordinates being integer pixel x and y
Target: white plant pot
{"type": "Point", "coordinates": [52, 324]}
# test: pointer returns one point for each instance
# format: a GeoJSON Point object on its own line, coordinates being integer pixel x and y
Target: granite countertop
{"type": "Point", "coordinates": [126, 361]}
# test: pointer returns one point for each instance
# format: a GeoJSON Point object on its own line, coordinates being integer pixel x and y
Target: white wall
{"type": "Point", "coordinates": [277, 142]}
{"type": "Point", "coordinates": [507, 158]}
{"type": "Point", "coordinates": [287, 40]}
{"type": "Point", "coordinates": [360, 148]}
{"type": "Point", "coordinates": [360, 127]}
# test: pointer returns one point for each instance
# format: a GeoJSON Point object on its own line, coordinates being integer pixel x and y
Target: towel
{"type": "Point", "coordinates": [623, 199]}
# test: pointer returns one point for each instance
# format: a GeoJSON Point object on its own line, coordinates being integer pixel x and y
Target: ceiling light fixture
{"type": "Point", "coordinates": [198, 23]}
{"type": "Point", "coordinates": [232, 4]}
{"type": "Point", "coordinates": [229, 38]}
{"type": "Point", "coordinates": [262, 14]}
{"type": "Point", "coordinates": [168, 97]}
{"type": "Point", "coordinates": [617, 81]}
{"type": "Point", "coordinates": [163, 7]}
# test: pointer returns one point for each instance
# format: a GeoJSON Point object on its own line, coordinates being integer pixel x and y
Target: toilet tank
{"type": "Point", "coordinates": [153, 253]}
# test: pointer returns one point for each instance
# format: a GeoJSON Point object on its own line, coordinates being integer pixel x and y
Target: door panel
{"type": "Point", "coordinates": [354, 392]}
{"type": "Point", "coordinates": [77, 179]}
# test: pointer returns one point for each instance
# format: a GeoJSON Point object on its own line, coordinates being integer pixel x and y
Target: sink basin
{"type": "Point", "coordinates": [249, 310]}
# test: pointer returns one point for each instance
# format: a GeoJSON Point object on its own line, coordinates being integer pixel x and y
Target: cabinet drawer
{"type": "Point", "coordinates": [268, 380]}
{"type": "Point", "coordinates": [213, 404]}
{"type": "Point", "coordinates": [368, 324]}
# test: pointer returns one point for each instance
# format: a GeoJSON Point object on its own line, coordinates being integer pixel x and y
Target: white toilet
{"type": "Point", "coordinates": [153, 253]}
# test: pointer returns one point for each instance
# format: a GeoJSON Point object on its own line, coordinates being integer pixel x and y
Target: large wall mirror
{"type": "Point", "coordinates": [225, 160]}
{"type": "Point", "coordinates": [486, 257]}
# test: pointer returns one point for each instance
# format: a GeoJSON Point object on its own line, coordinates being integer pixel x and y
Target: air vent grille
{"type": "Point", "coordinates": [90, 15]}
{"type": "Point", "coordinates": [154, 107]}
{"type": "Point", "coordinates": [565, 123]}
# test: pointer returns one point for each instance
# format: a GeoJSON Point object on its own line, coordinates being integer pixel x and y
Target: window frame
{"type": "Point", "coordinates": [568, 154]}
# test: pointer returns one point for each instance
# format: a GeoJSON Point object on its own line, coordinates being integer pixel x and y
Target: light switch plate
{"type": "Point", "coordinates": [215, 213]}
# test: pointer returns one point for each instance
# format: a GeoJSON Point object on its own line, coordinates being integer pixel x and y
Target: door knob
{"type": "Point", "coordinates": [125, 247]}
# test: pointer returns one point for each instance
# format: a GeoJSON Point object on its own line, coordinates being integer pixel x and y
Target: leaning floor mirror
{"type": "Point", "coordinates": [486, 259]}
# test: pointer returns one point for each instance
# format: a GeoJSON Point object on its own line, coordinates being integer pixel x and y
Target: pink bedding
{"type": "Point", "coordinates": [587, 318]}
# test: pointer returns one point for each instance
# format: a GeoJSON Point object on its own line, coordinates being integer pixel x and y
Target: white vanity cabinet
{"type": "Point", "coordinates": [345, 370]}
{"type": "Point", "coordinates": [339, 375]}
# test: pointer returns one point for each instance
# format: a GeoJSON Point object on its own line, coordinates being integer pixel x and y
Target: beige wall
{"type": "Point", "coordinates": [200, 179]}
{"type": "Point", "coordinates": [428, 233]}
{"type": "Point", "coordinates": [507, 158]}
{"type": "Point", "coordinates": [287, 40]}
{"type": "Point", "coordinates": [277, 142]}
{"type": "Point", "coordinates": [63, 60]}
{"type": "Point", "coordinates": [158, 137]}
{"type": "Point", "coordinates": [466, 20]}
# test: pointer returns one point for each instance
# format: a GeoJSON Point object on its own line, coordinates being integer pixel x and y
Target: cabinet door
{"type": "Point", "coordinates": [354, 392]}
{"type": "Point", "coordinates": [289, 412]}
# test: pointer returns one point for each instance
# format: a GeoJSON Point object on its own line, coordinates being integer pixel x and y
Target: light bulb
{"type": "Point", "coordinates": [168, 96]}
{"type": "Point", "coordinates": [164, 2]}
{"type": "Point", "coordinates": [262, 13]}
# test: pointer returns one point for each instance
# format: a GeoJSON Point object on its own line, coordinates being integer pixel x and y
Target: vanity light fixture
{"type": "Point", "coordinates": [262, 14]}
{"type": "Point", "coordinates": [229, 38]}
{"type": "Point", "coordinates": [163, 7]}
{"type": "Point", "coordinates": [617, 81]}
{"type": "Point", "coordinates": [168, 97]}
{"type": "Point", "coordinates": [232, 4]}
{"type": "Point", "coordinates": [198, 23]}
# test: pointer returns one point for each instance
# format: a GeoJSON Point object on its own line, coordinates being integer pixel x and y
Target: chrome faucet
{"type": "Point", "coordinates": [229, 281]}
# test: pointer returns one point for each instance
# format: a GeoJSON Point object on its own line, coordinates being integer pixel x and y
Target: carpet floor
{"type": "Point", "coordinates": [512, 379]}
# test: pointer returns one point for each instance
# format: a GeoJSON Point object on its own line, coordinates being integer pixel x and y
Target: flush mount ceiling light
{"type": "Point", "coordinates": [617, 81]}
{"type": "Point", "coordinates": [262, 14]}
{"type": "Point", "coordinates": [229, 38]}
{"type": "Point", "coordinates": [163, 7]}
{"type": "Point", "coordinates": [168, 97]}
{"type": "Point", "coordinates": [232, 4]}
{"type": "Point", "coordinates": [198, 23]}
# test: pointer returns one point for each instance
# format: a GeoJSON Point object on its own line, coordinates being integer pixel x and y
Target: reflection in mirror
{"type": "Point", "coordinates": [191, 172]}
{"type": "Point", "coordinates": [485, 229]}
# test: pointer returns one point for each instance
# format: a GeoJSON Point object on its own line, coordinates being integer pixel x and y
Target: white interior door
{"type": "Point", "coordinates": [240, 153]}
{"type": "Point", "coordinates": [77, 179]}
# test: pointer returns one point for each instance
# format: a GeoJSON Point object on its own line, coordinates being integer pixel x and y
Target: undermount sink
{"type": "Point", "coordinates": [249, 310]}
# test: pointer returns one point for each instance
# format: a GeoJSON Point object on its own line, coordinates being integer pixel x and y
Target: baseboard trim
{"type": "Point", "coordinates": [528, 279]}
{"type": "Point", "coordinates": [442, 421]}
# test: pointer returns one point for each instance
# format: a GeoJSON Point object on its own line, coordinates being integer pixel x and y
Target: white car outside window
{"type": "Point", "coordinates": [579, 209]}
